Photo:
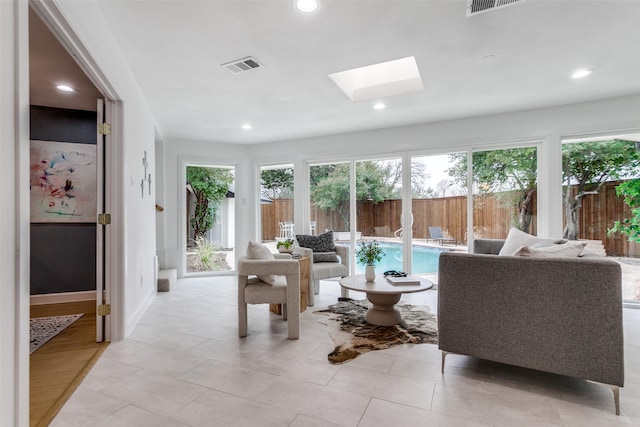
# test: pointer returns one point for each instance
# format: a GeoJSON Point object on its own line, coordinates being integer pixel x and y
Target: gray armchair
{"type": "Point", "coordinates": [284, 290]}
{"type": "Point", "coordinates": [325, 270]}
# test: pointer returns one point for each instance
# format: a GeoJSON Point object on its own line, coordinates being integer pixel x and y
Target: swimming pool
{"type": "Point", "coordinates": [425, 259]}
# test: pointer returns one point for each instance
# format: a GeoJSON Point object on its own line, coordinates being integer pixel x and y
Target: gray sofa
{"type": "Point", "coordinates": [559, 315]}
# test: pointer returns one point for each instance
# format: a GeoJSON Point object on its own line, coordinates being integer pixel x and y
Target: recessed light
{"type": "Point", "coordinates": [581, 73]}
{"type": "Point", "coordinates": [65, 88]}
{"type": "Point", "coordinates": [306, 6]}
{"type": "Point", "coordinates": [246, 126]}
{"type": "Point", "coordinates": [379, 106]}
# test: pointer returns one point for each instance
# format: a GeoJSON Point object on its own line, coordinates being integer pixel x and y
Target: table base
{"type": "Point", "coordinates": [383, 311]}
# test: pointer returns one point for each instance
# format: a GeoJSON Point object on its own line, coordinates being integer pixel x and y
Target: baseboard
{"type": "Point", "coordinates": [139, 313]}
{"type": "Point", "coordinates": [63, 297]}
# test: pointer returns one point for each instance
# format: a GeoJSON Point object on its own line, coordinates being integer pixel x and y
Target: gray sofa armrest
{"type": "Point", "coordinates": [299, 250]}
{"type": "Point", "coordinates": [325, 270]}
{"type": "Point", "coordinates": [487, 246]}
{"type": "Point", "coordinates": [343, 253]}
{"type": "Point", "coordinates": [559, 315]}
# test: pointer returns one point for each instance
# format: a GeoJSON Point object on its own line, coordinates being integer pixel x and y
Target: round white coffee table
{"type": "Point", "coordinates": [383, 296]}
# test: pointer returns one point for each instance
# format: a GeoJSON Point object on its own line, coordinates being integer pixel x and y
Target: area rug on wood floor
{"type": "Point", "coordinates": [353, 336]}
{"type": "Point", "coordinates": [45, 328]}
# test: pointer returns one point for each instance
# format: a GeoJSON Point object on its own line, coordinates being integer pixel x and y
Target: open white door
{"type": "Point", "coordinates": [103, 294]}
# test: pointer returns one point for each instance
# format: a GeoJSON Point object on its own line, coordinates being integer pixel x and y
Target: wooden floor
{"type": "Point", "coordinates": [58, 367]}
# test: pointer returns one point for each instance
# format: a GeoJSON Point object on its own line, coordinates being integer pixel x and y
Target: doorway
{"type": "Point", "coordinates": [69, 263]}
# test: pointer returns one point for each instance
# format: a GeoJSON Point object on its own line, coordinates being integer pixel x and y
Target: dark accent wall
{"type": "Point", "coordinates": [62, 125]}
{"type": "Point", "coordinates": [63, 258]}
{"type": "Point", "coordinates": [63, 255]}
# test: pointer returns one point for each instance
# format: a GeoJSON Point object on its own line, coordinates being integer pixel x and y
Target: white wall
{"type": "Point", "coordinates": [177, 155]}
{"type": "Point", "coordinates": [160, 195]}
{"type": "Point", "coordinates": [548, 125]}
{"type": "Point", "coordinates": [14, 214]}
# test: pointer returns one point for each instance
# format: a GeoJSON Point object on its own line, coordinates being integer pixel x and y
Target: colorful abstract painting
{"type": "Point", "coordinates": [63, 182]}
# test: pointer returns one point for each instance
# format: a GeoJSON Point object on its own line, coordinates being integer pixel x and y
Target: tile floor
{"type": "Point", "coordinates": [184, 365]}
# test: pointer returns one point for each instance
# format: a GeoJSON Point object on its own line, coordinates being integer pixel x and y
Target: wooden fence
{"type": "Point", "coordinates": [492, 218]}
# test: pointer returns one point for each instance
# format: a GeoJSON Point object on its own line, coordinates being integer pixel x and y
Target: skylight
{"type": "Point", "coordinates": [380, 80]}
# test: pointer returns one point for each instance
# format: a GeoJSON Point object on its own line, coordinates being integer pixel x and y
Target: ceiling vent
{"type": "Point", "coordinates": [242, 65]}
{"type": "Point", "coordinates": [478, 6]}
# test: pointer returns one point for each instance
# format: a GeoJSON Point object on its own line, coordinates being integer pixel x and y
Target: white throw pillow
{"type": "Point", "coordinates": [564, 250]}
{"type": "Point", "coordinates": [517, 238]}
{"type": "Point", "coordinates": [257, 250]}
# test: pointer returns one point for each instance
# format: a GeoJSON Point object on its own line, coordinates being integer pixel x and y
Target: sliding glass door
{"type": "Point", "coordinates": [330, 199]}
{"type": "Point", "coordinates": [504, 191]}
{"type": "Point", "coordinates": [601, 189]}
{"type": "Point", "coordinates": [379, 208]}
{"type": "Point", "coordinates": [367, 200]}
{"type": "Point", "coordinates": [276, 203]}
{"type": "Point", "coordinates": [439, 208]}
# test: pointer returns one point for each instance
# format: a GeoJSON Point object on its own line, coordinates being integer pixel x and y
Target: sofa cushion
{"type": "Point", "coordinates": [325, 257]}
{"type": "Point", "coordinates": [320, 243]}
{"type": "Point", "coordinates": [257, 250]}
{"type": "Point", "coordinates": [517, 238]}
{"type": "Point", "coordinates": [587, 253]}
{"type": "Point", "coordinates": [324, 270]}
{"type": "Point", "coordinates": [563, 250]}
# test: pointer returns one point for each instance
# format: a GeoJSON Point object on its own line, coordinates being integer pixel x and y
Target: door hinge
{"type": "Point", "coordinates": [104, 128]}
{"type": "Point", "coordinates": [104, 309]}
{"type": "Point", "coordinates": [104, 219]}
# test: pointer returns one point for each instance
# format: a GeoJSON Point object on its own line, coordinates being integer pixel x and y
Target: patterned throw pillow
{"type": "Point", "coordinates": [320, 243]}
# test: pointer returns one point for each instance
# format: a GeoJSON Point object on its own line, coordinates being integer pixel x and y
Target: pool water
{"type": "Point", "coordinates": [425, 259]}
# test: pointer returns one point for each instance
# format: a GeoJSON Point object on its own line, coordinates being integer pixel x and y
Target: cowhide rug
{"type": "Point", "coordinates": [353, 336]}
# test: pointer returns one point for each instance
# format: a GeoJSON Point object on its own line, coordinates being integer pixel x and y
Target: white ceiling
{"type": "Point", "coordinates": [514, 58]}
{"type": "Point", "coordinates": [50, 65]}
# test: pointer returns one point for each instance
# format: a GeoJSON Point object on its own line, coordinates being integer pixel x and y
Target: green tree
{"type": "Point", "coordinates": [209, 186]}
{"type": "Point", "coordinates": [319, 173]}
{"type": "Point", "coordinates": [392, 176]}
{"type": "Point", "coordinates": [587, 166]}
{"type": "Point", "coordinates": [505, 172]}
{"type": "Point", "coordinates": [630, 190]}
{"type": "Point", "coordinates": [277, 183]}
{"type": "Point", "coordinates": [330, 186]}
